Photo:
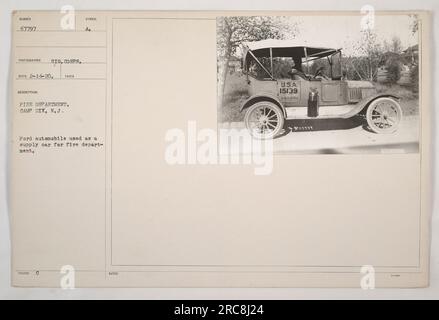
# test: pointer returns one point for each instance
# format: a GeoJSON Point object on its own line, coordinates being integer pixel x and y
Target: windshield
{"type": "Point", "coordinates": [330, 67]}
{"type": "Point", "coordinates": [336, 66]}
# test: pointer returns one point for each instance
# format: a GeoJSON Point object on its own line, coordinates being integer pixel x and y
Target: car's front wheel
{"type": "Point", "coordinates": [384, 115]}
{"type": "Point", "coordinates": [264, 120]}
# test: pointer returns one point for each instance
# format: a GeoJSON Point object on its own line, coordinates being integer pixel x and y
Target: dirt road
{"type": "Point", "coordinates": [342, 136]}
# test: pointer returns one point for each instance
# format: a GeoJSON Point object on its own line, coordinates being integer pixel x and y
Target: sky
{"type": "Point", "coordinates": [339, 31]}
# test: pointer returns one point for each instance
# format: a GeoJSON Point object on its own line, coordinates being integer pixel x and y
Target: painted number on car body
{"type": "Point", "coordinates": [289, 90]}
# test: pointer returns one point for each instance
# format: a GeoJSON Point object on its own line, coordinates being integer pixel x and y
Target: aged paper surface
{"type": "Point", "coordinates": [104, 101]}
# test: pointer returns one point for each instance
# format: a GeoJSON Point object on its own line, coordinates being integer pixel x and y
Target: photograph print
{"type": "Point", "coordinates": [324, 84]}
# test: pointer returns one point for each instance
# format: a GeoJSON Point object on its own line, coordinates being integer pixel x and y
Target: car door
{"type": "Point", "coordinates": [289, 92]}
{"type": "Point", "coordinates": [330, 92]}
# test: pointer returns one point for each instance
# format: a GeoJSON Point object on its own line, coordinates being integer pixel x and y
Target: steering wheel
{"type": "Point", "coordinates": [319, 72]}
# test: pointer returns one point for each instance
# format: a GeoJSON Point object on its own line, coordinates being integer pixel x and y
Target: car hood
{"type": "Point", "coordinates": [360, 84]}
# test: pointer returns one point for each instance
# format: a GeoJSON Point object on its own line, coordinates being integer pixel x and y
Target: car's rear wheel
{"type": "Point", "coordinates": [384, 115]}
{"type": "Point", "coordinates": [264, 120]}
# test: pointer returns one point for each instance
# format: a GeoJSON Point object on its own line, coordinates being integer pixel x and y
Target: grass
{"type": "Point", "coordinates": [409, 99]}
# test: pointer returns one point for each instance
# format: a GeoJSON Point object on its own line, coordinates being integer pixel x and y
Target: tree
{"type": "Point", "coordinates": [393, 65]}
{"type": "Point", "coordinates": [369, 52]}
{"type": "Point", "coordinates": [233, 31]}
{"type": "Point", "coordinates": [396, 45]}
{"type": "Point", "coordinates": [414, 25]}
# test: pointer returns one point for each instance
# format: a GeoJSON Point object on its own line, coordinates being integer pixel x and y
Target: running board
{"type": "Point", "coordinates": [325, 112]}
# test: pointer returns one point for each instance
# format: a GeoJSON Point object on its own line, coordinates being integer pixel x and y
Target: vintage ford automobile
{"type": "Point", "coordinates": [303, 82]}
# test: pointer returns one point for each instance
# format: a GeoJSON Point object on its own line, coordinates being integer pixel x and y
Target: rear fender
{"type": "Point", "coordinates": [263, 97]}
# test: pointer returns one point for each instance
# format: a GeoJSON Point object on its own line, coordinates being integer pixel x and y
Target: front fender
{"type": "Point", "coordinates": [362, 104]}
{"type": "Point", "coordinates": [263, 97]}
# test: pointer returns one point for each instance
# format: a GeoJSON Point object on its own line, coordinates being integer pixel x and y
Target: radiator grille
{"type": "Point", "coordinates": [355, 94]}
